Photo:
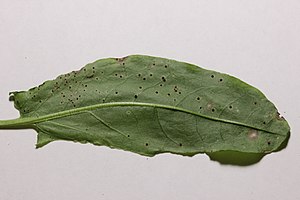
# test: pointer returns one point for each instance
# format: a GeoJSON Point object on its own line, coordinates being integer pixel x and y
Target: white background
{"type": "Point", "coordinates": [256, 41]}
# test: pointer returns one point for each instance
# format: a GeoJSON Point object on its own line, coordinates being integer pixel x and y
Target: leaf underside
{"type": "Point", "coordinates": [150, 105]}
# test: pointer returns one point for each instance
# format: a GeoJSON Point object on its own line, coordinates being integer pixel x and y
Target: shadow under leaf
{"type": "Point", "coordinates": [236, 158]}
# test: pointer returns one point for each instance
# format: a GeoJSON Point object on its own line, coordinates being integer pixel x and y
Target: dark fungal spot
{"type": "Point", "coordinates": [139, 75]}
{"type": "Point", "coordinates": [135, 96]}
{"type": "Point", "coordinates": [85, 86]}
{"type": "Point", "coordinates": [147, 144]}
{"type": "Point", "coordinates": [160, 85]}
{"type": "Point", "coordinates": [116, 92]}
{"type": "Point", "coordinates": [153, 64]}
{"type": "Point", "coordinates": [198, 98]}
{"type": "Point", "coordinates": [255, 103]}
{"type": "Point", "coordinates": [179, 92]}
{"type": "Point", "coordinates": [200, 107]}
{"type": "Point", "coordinates": [163, 79]}
{"type": "Point", "coordinates": [269, 143]}
{"type": "Point", "coordinates": [151, 74]}
{"type": "Point", "coordinates": [221, 79]}
{"type": "Point", "coordinates": [166, 66]}
{"type": "Point", "coordinates": [156, 92]}
{"type": "Point", "coordinates": [144, 78]}
{"type": "Point", "coordinates": [175, 99]}
{"type": "Point", "coordinates": [213, 110]}
{"type": "Point", "coordinates": [128, 135]}
{"type": "Point", "coordinates": [140, 87]}
{"type": "Point", "coordinates": [121, 76]}
{"type": "Point", "coordinates": [169, 94]}
{"type": "Point", "coordinates": [264, 122]}
{"type": "Point", "coordinates": [212, 76]}
{"type": "Point", "coordinates": [180, 144]}
{"type": "Point", "coordinates": [230, 107]}
{"type": "Point", "coordinates": [116, 74]}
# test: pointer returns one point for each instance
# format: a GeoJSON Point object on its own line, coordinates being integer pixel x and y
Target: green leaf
{"type": "Point", "coordinates": [150, 105]}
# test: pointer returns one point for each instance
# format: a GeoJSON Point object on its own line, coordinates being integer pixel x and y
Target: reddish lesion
{"type": "Point", "coordinates": [121, 59]}
{"type": "Point", "coordinates": [279, 116]}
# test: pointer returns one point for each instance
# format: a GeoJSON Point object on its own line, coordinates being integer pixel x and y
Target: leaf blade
{"type": "Point", "coordinates": [225, 113]}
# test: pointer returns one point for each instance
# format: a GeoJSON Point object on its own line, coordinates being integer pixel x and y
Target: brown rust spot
{"type": "Point", "coordinates": [209, 106]}
{"type": "Point", "coordinates": [279, 116]}
{"type": "Point", "coordinates": [252, 134]}
{"type": "Point", "coordinates": [121, 59]}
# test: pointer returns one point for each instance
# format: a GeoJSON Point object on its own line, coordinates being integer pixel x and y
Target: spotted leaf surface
{"type": "Point", "coordinates": [150, 105]}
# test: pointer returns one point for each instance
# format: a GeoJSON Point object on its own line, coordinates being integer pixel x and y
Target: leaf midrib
{"type": "Point", "coordinates": [28, 122]}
